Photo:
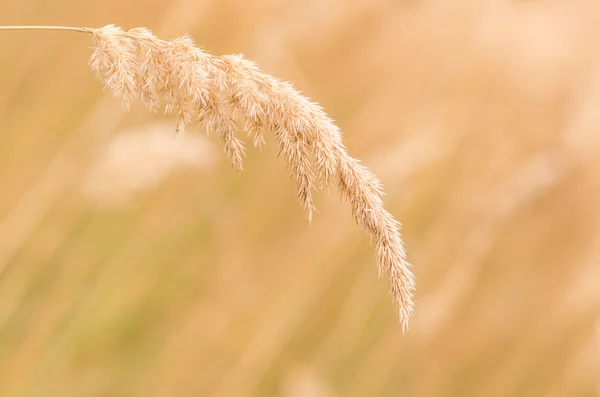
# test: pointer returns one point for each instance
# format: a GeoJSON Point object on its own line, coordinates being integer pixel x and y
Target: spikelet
{"type": "Point", "coordinates": [197, 87]}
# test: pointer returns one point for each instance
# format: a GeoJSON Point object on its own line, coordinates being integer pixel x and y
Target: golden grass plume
{"type": "Point", "coordinates": [216, 91]}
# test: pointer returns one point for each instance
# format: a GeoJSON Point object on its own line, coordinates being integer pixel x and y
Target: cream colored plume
{"type": "Point", "coordinates": [197, 87]}
{"type": "Point", "coordinates": [217, 91]}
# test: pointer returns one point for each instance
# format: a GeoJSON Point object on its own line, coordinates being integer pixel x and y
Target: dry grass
{"type": "Point", "coordinates": [479, 117]}
{"type": "Point", "coordinates": [121, 171]}
{"type": "Point", "coordinates": [198, 87]}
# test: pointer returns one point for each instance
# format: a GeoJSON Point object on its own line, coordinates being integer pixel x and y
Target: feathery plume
{"type": "Point", "coordinates": [197, 87]}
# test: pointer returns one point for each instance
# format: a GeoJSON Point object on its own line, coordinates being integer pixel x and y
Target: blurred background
{"type": "Point", "coordinates": [133, 264]}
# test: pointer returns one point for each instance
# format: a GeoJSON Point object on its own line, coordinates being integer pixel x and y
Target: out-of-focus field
{"type": "Point", "coordinates": [135, 265]}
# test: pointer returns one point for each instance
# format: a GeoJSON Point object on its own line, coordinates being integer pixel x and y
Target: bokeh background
{"type": "Point", "coordinates": [133, 264]}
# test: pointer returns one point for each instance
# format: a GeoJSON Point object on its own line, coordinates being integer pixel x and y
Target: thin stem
{"type": "Point", "coordinates": [84, 30]}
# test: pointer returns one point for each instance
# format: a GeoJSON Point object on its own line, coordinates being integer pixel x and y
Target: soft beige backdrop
{"type": "Point", "coordinates": [133, 265]}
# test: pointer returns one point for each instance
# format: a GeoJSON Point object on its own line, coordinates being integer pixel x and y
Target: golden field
{"type": "Point", "coordinates": [133, 263]}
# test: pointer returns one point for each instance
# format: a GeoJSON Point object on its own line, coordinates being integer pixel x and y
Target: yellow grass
{"type": "Point", "coordinates": [480, 120]}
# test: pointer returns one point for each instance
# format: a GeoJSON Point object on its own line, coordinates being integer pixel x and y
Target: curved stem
{"type": "Point", "coordinates": [75, 29]}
